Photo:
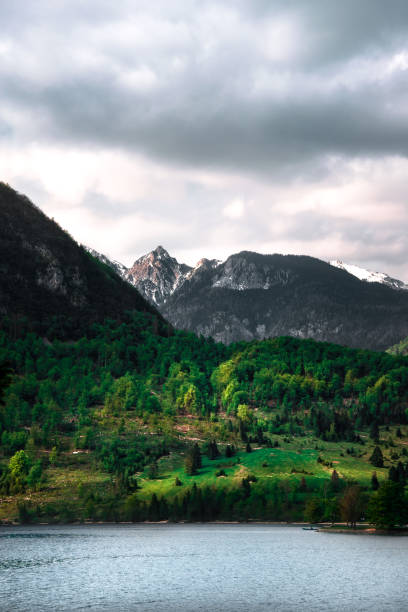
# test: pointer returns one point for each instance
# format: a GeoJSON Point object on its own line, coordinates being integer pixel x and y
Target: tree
{"type": "Point", "coordinates": [335, 481]}
{"type": "Point", "coordinates": [303, 485]}
{"type": "Point", "coordinates": [393, 474]}
{"type": "Point", "coordinates": [197, 456]}
{"type": "Point", "coordinates": [377, 458]}
{"type": "Point", "coordinates": [192, 461]}
{"type": "Point", "coordinates": [313, 510]}
{"type": "Point", "coordinates": [19, 464]}
{"type": "Point", "coordinates": [388, 506]}
{"type": "Point", "coordinates": [351, 505]}
{"type": "Point", "coordinates": [374, 431]}
{"type": "Point", "coordinates": [35, 474]}
{"type": "Point", "coordinates": [53, 455]}
{"type": "Point", "coordinates": [229, 451]}
{"type": "Point", "coordinates": [401, 473]}
{"type": "Point", "coordinates": [18, 469]}
{"type": "Point", "coordinates": [189, 466]}
{"type": "Point", "coordinates": [374, 482]}
{"type": "Point", "coordinates": [153, 471]}
{"type": "Point", "coordinates": [212, 450]}
{"type": "Point", "coordinates": [331, 509]}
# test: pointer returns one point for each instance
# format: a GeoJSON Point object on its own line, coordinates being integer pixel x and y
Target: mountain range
{"type": "Point", "coordinates": [46, 277]}
{"type": "Point", "coordinates": [252, 296]}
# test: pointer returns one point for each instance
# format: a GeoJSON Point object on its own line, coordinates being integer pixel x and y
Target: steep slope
{"type": "Point", "coordinates": [118, 267]}
{"type": "Point", "coordinates": [369, 276]}
{"type": "Point", "coordinates": [252, 296]}
{"type": "Point", "coordinates": [47, 278]}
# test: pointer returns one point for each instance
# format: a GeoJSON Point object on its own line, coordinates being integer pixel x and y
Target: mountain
{"type": "Point", "coordinates": [157, 275]}
{"type": "Point", "coordinates": [49, 280]}
{"type": "Point", "coordinates": [252, 296]}
{"type": "Point", "coordinates": [369, 276]}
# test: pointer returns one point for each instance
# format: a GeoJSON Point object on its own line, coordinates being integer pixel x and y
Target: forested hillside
{"type": "Point", "coordinates": [126, 424]}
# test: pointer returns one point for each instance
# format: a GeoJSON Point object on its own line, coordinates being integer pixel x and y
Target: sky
{"type": "Point", "coordinates": [211, 127]}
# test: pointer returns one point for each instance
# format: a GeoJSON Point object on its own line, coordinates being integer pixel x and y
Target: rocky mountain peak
{"type": "Point", "coordinates": [157, 275]}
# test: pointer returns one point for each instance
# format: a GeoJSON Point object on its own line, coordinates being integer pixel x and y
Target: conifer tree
{"type": "Point", "coordinates": [374, 482]}
{"type": "Point", "coordinates": [377, 458]}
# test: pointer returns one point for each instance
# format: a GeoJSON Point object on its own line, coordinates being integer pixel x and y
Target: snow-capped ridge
{"type": "Point", "coordinates": [368, 275]}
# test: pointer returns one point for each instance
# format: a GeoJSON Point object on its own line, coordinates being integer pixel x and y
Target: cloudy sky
{"type": "Point", "coordinates": [212, 126]}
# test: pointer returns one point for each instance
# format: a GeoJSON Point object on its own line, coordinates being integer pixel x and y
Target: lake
{"type": "Point", "coordinates": [199, 567]}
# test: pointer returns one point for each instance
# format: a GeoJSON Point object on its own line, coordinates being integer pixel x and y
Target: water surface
{"type": "Point", "coordinates": [199, 567]}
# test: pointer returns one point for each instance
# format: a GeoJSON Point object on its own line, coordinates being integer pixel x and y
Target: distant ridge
{"type": "Point", "coordinates": [369, 276]}
{"type": "Point", "coordinates": [253, 296]}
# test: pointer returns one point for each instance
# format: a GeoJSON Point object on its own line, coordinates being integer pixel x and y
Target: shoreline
{"type": "Point", "coordinates": [319, 527]}
{"type": "Point", "coordinates": [371, 531]}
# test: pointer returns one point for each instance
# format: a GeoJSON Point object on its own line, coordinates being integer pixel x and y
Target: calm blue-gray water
{"type": "Point", "coordinates": [199, 567]}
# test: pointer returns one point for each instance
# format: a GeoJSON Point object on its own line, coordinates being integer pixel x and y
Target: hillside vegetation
{"type": "Point", "coordinates": [399, 349]}
{"type": "Point", "coordinates": [130, 424]}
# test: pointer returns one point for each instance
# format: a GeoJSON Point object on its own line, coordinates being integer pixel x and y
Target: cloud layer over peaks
{"type": "Point", "coordinates": [212, 126]}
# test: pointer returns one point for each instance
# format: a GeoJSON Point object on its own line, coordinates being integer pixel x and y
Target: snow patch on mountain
{"type": "Point", "coordinates": [368, 275]}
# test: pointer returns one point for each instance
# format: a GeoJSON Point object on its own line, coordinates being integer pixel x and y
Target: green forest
{"type": "Point", "coordinates": [136, 421]}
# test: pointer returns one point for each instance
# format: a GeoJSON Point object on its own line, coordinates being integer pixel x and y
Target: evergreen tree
{"type": "Point", "coordinates": [335, 481]}
{"type": "Point", "coordinates": [197, 456]}
{"type": "Point", "coordinates": [189, 465]}
{"type": "Point", "coordinates": [377, 458]}
{"type": "Point", "coordinates": [401, 474]}
{"type": "Point", "coordinates": [393, 474]}
{"type": "Point", "coordinates": [388, 507]}
{"type": "Point", "coordinates": [374, 482]}
{"type": "Point", "coordinates": [192, 461]}
{"type": "Point", "coordinates": [212, 450]}
{"type": "Point", "coordinates": [374, 431]}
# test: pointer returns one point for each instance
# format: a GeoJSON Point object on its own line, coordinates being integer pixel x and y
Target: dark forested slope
{"type": "Point", "coordinates": [49, 280]}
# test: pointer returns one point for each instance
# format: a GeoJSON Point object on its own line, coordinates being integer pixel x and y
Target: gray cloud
{"type": "Point", "coordinates": [233, 104]}
{"type": "Point", "coordinates": [283, 92]}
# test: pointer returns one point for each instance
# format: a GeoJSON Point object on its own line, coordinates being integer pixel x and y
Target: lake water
{"type": "Point", "coordinates": [199, 567]}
